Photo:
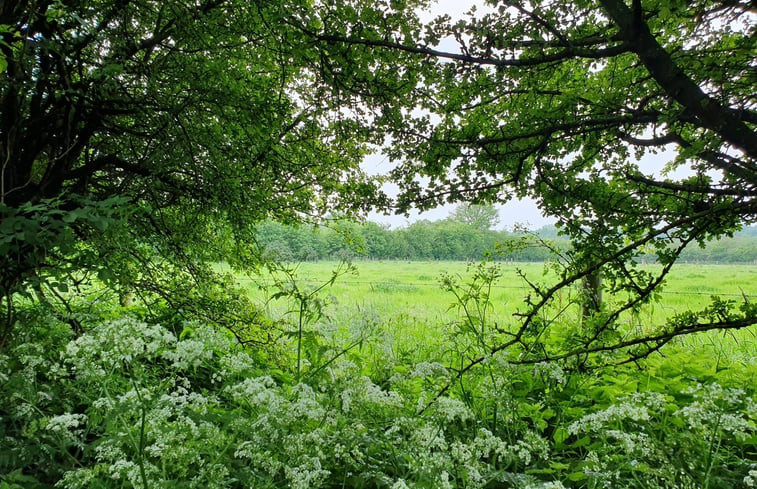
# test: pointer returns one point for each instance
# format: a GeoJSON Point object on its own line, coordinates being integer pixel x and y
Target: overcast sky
{"type": "Point", "coordinates": [516, 212]}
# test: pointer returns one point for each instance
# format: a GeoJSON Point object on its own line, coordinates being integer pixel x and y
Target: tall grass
{"type": "Point", "coordinates": [408, 298]}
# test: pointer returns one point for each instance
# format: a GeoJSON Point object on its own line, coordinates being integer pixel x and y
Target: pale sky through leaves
{"type": "Point", "coordinates": [524, 212]}
{"type": "Point", "coordinates": [520, 212]}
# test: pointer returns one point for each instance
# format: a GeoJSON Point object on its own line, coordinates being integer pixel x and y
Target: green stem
{"type": "Point", "coordinates": [141, 447]}
{"type": "Point", "coordinates": [299, 339]}
{"type": "Point", "coordinates": [711, 454]}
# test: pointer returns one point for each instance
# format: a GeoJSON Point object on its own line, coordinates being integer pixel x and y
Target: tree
{"type": "Point", "coordinates": [479, 217]}
{"type": "Point", "coordinates": [559, 101]}
{"type": "Point", "coordinates": [136, 135]}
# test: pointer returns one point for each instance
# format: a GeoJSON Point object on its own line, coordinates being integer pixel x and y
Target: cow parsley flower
{"type": "Point", "coordinates": [450, 410]}
{"type": "Point", "coordinates": [188, 353]}
{"type": "Point", "coordinates": [550, 372]}
{"type": "Point", "coordinates": [364, 393]}
{"type": "Point", "coordinates": [633, 409]}
{"type": "Point", "coordinates": [66, 423]}
{"type": "Point", "coordinates": [307, 475]}
{"type": "Point", "coordinates": [257, 391]}
{"type": "Point", "coordinates": [429, 370]}
{"type": "Point", "coordinates": [751, 479]}
{"type": "Point", "coordinates": [3, 368]}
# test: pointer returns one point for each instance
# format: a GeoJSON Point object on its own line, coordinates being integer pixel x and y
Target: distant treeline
{"type": "Point", "coordinates": [452, 240]}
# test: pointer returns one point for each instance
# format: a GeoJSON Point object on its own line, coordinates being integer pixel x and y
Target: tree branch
{"type": "Point", "coordinates": [565, 54]}
{"type": "Point", "coordinates": [680, 87]}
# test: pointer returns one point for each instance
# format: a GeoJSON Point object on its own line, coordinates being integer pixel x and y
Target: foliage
{"type": "Point", "coordinates": [130, 403]}
{"type": "Point", "coordinates": [135, 134]}
{"type": "Point", "coordinates": [439, 240]}
{"type": "Point", "coordinates": [448, 240]}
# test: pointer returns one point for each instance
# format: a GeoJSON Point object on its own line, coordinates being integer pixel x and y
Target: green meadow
{"type": "Point", "coordinates": [412, 289]}
{"type": "Point", "coordinates": [406, 302]}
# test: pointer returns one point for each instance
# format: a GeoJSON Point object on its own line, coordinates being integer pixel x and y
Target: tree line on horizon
{"type": "Point", "coordinates": [451, 239]}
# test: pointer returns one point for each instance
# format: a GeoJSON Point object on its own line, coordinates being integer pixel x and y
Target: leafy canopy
{"type": "Point", "coordinates": [136, 134]}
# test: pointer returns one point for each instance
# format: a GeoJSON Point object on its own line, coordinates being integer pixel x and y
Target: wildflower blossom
{"type": "Point", "coordinates": [550, 372]}
{"type": "Point", "coordinates": [450, 410]}
{"type": "Point", "coordinates": [4, 359]}
{"type": "Point", "coordinates": [307, 475]}
{"type": "Point", "coordinates": [364, 393]}
{"type": "Point", "coordinates": [751, 479]}
{"type": "Point", "coordinates": [426, 370]}
{"type": "Point", "coordinates": [67, 423]}
{"type": "Point", "coordinates": [258, 391]}
{"type": "Point", "coordinates": [188, 353]}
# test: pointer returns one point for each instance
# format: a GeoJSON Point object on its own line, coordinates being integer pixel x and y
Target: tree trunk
{"type": "Point", "coordinates": [591, 301]}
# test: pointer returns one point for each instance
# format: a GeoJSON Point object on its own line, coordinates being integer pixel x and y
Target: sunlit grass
{"type": "Point", "coordinates": [413, 288]}
{"type": "Point", "coordinates": [406, 299]}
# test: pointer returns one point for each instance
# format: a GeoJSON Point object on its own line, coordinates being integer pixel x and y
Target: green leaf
{"type": "Point", "coordinates": [581, 442]}
{"type": "Point", "coordinates": [576, 476]}
{"type": "Point", "coordinates": [560, 435]}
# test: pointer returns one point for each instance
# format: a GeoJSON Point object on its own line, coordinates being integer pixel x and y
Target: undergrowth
{"type": "Point", "coordinates": [131, 403]}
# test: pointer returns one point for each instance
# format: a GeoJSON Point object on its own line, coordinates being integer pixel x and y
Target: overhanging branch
{"type": "Point", "coordinates": [679, 86]}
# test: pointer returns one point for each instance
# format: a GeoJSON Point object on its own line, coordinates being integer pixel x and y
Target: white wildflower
{"type": "Point", "coordinates": [4, 359]}
{"type": "Point", "coordinates": [550, 371]}
{"type": "Point", "coordinates": [751, 479]}
{"type": "Point", "coordinates": [307, 475]}
{"type": "Point", "coordinates": [235, 363]}
{"type": "Point", "coordinates": [452, 409]}
{"type": "Point", "coordinates": [400, 484]}
{"type": "Point", "coordinates": [111, 344]}
{"type": "Point", "coordinates": [615, 412]}
{"type": "Point", "coordinates": [430, 438]}
{"type": "Point", "coordinates": [23, 410]}
{"type": "Point", "coordinates": [425, 370]}
{"type": "Point", "coordinates": [632, 443]}
{"type": "Point", "coordinates": [487, 445]}
{"type": "Point", "coordinates": [443, 481]}
{"type": "Point", "coordinates": [364, 393]}
{"type": "Point", "coordinates": [257, 392]}
{"type": "Point", "coordinates": [546, 485]}
{"type": "Point", "coordinates": [67, 423]}
{"type": "Point", "coordinates": [188, 353]}
{"type": "Point", "coordinates": [305, 405]}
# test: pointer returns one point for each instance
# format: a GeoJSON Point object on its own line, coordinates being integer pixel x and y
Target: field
{"type": "Point", "coordinates": [413, 287]}
{"type": "Point", "coordinates": [408, 300]}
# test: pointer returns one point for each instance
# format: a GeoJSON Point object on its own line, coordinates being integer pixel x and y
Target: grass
{"type": "Point", "coordinates": [413, 288]}
{"type": "Point", "coordinates": [414, 313]}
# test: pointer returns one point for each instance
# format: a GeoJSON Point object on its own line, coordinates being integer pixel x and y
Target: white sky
{"type": "Point", "coordinates": [517, 212]}
{"type": "Point", "coordinates": [522, 212]}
